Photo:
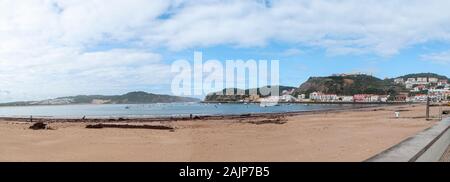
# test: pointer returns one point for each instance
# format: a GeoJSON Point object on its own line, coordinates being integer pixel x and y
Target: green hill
{"type": "Point", "coordinates": [129, 98]}
{"type": "Point", "coordinates": [349, 85]}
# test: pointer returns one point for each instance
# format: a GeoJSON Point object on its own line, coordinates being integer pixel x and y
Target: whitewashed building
{"type": "Point", "coordinates": [433, 80]}
{"type": "Point", "coordinates": [315, 96]}
{"type": "Point", "coordinates": [318, 96]}
{"type": "Point", "coordinates": [420, 98]}
{"type": "Point", "coordinates": [301, 97]}
{"type": "Point", "coordinates": [399, 81]}
{"type": "Point", "coordinates": [374, 98]}
{"type": "Point", "coordinates": [346, 98]}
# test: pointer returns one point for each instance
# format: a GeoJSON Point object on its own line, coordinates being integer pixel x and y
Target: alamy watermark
{"type": "Point", "coordinates": [200, 77]}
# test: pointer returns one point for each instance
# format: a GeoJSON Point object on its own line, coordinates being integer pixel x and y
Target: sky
{"type": "Point", "coordinates": [52, 48]}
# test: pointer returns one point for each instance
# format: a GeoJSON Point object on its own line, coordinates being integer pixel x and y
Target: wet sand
{"type": "Point", "coordinates": [353, 135]}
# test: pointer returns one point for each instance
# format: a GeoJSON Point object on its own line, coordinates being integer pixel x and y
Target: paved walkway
{"type": "Point", "coordinates": [446, 156]}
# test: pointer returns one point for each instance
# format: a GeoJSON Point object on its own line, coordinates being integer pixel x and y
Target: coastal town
{"type": "Point", "coordinates": [417, 90]}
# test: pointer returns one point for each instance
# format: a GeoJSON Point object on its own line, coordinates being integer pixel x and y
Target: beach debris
{"type": "Point", "coordinates": [379, 109]}
{"type": "Point", "coordinates": [118, 119]}
{"type": "Point", "coordinates": [402, 110]}
{"type": "Point", "coordinates": [269, 120]}
{"type": "Point", "coordinates": [128, 126]}
{"type": "Point", "coordinates": [39, 126]}
{"type": "Point", "coordinates": [446, 112]}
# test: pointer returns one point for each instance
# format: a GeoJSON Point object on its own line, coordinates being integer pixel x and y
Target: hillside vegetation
{"type": "Point", "coordinates": [349, 85]}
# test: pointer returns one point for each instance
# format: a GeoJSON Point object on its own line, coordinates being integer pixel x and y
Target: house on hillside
{"type": "Point", "coordinates": [419, 88]}
{"type": "Point", "coordinates": [422, 79]}
{"type": "Point", "coordinates": [410, 82]}
{"type": "Point", "coordinates": [433, 80]}
{"type": "Point", "coordinates": [399, 81]}
{"type": "Point", "coordinates": [442, 83]}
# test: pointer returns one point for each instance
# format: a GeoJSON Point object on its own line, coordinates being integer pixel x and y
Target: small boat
{"type": "Point", "coordinates": [268, 104]}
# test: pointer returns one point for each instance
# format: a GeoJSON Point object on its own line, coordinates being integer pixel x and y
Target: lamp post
{"type": "Point", "coordinates": [428, 108]}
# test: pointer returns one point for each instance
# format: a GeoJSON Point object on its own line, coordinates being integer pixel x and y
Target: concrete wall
{"type": "Point", "coordinates": [437, 149]}
{"type": "Point", "coordinates": [427, 146]}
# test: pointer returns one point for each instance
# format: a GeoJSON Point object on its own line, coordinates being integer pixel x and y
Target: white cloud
{"type": "Point", "coordinates": [48, 44]}
{"type": "Point", "coordinates": [66, 72]}
{"type": "Point", "coordinates": [440, 58]}
{"type": "Point", "coordinates": [44, 47]}
{"type": "Point", "coordinates": [292, 52]}
{"type": "Point", "coordinates": [341, 27]}
{"type": "Point", "coordinates": [371, 26]}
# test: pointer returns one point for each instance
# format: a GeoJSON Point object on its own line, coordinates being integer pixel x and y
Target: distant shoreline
{"type": "Point", "coordinates": [182, 118]}
{"type": "Point", "coordinates": [379, 103]}
{"type": "Point", "coordinates": [90, 104]}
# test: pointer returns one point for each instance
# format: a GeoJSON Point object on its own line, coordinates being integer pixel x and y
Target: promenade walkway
{"type": "Point", "coordinates": [446, 156]}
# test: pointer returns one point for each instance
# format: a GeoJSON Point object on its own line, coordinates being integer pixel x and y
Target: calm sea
{"type": "Point", "coordinates": [157, 110]}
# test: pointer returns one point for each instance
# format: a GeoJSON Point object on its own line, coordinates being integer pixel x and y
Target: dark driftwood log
{"type": "Point", "coordinates": [38, 126]}
{"type": "Point", "coordinates": [269, 121]}
{"type": "Point", "coordinates": [127, 126]}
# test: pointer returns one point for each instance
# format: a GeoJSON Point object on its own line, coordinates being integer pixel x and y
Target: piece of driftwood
{"type": "Point", "coordinates": [269, 121]}
{"type": "Point", "coordinates": [38, 126]}
{"type": "Point", "coordinates": [128, 126]}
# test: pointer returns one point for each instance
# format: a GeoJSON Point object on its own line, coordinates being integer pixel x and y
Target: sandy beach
{"type": "Point", "coordinates": [353, 135]}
